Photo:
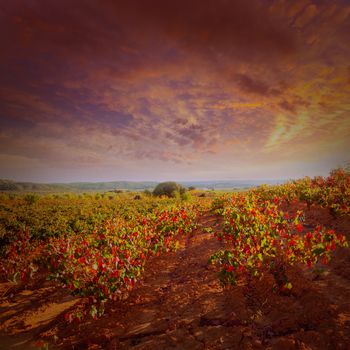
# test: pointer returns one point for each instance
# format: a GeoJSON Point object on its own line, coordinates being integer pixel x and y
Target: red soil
{"type": "Point", "coordinates": [180, 304]}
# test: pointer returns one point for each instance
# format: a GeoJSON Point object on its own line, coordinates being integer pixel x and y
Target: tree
{"type": "Point", "coordinates": [169, 189]}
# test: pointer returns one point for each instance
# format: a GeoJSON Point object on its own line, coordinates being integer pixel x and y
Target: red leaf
{"type": "Point", "coordinates": [299, 227]}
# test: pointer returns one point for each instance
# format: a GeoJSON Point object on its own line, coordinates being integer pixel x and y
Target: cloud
{"type": "Point", "coordinates": [286, 130]}
{"type": "Point", "coordinates": [307, 15]}
{"type": "Point", "coordinates": [185, 84]}
{"type": "Point", "coordinates": [254, 86]}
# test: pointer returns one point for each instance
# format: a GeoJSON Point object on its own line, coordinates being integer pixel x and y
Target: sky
{"type": "Point", "coordinates": [173, 90]}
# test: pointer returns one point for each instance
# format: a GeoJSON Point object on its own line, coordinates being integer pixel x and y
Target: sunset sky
{"type": "Point", "coordinates": [173, 90]}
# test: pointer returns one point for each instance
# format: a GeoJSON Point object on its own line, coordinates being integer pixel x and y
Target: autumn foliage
{"type": "Point", "coordinates": [97, 247]}
{"type": "Point", "coordinates": [260, 238]}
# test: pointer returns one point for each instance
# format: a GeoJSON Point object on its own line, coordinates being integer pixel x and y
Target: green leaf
{"type": "Point", "coordinates": [318, 250]}
{"type": "Point", "coordinates": [15, 276]}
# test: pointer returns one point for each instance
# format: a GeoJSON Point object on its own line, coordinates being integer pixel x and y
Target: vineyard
{"type": "Point", "coordinates": [265, 268]}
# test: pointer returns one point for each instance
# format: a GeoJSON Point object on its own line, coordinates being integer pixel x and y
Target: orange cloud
{"type": "Point", "coordinates": [125, 84]}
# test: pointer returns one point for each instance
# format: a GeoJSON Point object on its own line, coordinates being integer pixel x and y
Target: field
{"type": "Point", "coordinates": [266, 268]}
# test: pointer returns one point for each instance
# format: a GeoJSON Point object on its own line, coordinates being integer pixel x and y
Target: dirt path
{"type": "Point", "coordinates": [179, 304]}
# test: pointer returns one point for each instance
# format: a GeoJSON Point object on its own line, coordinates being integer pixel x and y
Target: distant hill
{"type": "Point", "coordinates": [229, 184]}
{"type": "Point", "coordinates": [9, 185]}
{"type": "Point", "coordinates": [113, 185]}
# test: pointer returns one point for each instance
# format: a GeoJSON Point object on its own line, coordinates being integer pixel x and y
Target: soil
{"type": "Point", "coordinates": [180, 304]}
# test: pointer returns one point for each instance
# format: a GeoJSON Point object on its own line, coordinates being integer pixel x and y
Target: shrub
{"type": "Point", "coordinates": [185, 196]}
{"type": "Point", "coordinates": [259, 237]}
{"type": "Point", "coordinates": [31, 198]}
{"type": "Point", "coordinates": [147, 192]}
{"type": "Point", "coordinates": [169, 189]}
